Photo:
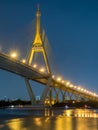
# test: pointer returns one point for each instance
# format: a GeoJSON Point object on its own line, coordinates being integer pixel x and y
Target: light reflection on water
{"type": "Point", "coordinates": [81, 113]}
{"type": "Point", "coordinates": [76, 119]}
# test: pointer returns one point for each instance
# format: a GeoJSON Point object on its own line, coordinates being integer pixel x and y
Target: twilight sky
{"type": "Point", "coordinates": [72, 30]}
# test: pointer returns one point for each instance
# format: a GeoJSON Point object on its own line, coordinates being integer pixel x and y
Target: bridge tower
{"type": "Point", "coordinates": [38, 47]}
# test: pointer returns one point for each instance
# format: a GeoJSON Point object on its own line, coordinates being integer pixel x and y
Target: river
{"type": "Point", "coordinates": [48, 119]}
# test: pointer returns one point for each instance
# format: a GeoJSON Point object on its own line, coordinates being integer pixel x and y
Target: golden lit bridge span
{"type": "Point", "coordinates": [29, 71]}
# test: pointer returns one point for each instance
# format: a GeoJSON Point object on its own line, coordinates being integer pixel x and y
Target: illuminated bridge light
{"type": "Point", "coordinates": [35, 66]}
{"type": "Point", "coordinates": [68, 114]}
{"type": "Point", "coordinates": [71, 85]}
{"type": "Point", "coordinates": [23, 61]}
{"type": "Point", "coordinates": [53, 76]}
{"type": "Point", "coordinates": [59, 79]}
{"type": "Point", "coordinates": [14, 54]}
{"type": "Point", "coordinates": [78, 88]}
{"type": "Point", "coordinates": [94, 94]}
{"type": "Point", "coordinates": [67, 83]}
{"type": "Point", "coordinates": [63, 81]}
{"type": "Point", "coordinates": [82, 89]}
{"type": "Point", "coordinates": [42, 70]}
{"type": "Point", "coordinates": [85, 90]}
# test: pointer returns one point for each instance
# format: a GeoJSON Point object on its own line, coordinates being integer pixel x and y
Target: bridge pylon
{"type": "Point", "coordinates": [37, 44]}
{"type": "Point", "coordinates": [38, 47]}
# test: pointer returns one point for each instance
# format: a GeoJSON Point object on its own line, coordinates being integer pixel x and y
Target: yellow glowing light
{"type": "Point", "coordinates": [13, 54]}
{"type": "Point", "coordinates": [15, 124]}
{"type": "Point", "coordinates": [48, 102]}
{"type": "Point", "coordinates": [52, 102]}
{"type": "Point", "coordinates": [73, 102]}
{"type": "Point", "coordinates": [94, 94]}
{"type": "Point", "coordinates": [42, 70]}
{"type": "Point", "coordinates": [67, 83]}
{"type": "Point", "coordinates": [35, 66]}
{"type": "Point", "coordinates": [38, 122]}
{"type": "Point", "coordinates": [82, 115]}
{"type": "Point", "coordinates": [59, 79]}
{"type": "Point", "coordinates": [85, 90]}
{"type": "Point", "coordinates": [23, 61]}
{"type": "Point", "coordinates": [78, 88]}
{"type": "Point", "coordinates": [45, 102]}
{"type": "Point", "coordinates": [68, 114]}
{"type": "Point", "coordinates": [71, 85]}
{"type": "Point", "coordinates": [53, 76]}
{"type": "Point", "coordinates": [82, 89]}
{"type": "Point", "coordinates": [79, 115]}
{"type": "Point", "coordinates": [95, 116]}
{"type": "Point", "coordinates": [62, 81]}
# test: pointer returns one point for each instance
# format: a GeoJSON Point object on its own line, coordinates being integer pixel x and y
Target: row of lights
{"type": "Point", "coordinates": [15, 55]}
{"type": "Point", "coordinates": [83, 115]}
{"type": "Point", "coordinates": [41, 69]}
{"type": "Point", "coordinates": [69, 84]}
{"type": "Point", "coordinates": [59, 79]}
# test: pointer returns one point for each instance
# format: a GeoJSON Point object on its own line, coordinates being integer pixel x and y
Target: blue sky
{"type": "Point", "coordinates": [72, 29]}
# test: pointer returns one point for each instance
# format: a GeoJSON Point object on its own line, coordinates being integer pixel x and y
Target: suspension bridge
{"type": "Point", "coordinates": [27, 68]}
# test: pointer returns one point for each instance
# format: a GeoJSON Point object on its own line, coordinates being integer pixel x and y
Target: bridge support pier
{"type": "Point", "coordinates": [57, 94]}
{"type": "Point", "coordinates": [70, 96]}
{"type": "Point", "coordinates": [50, 96]}
{"type": "Point", "coordinates": [31, 93]}
{"type": "Point", "coordinates": [63, 96]}
{"type": "Point", "coordinates": [46, 90]}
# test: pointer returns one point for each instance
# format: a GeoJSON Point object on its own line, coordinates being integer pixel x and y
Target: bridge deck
{"type": "Point", "coordinates": [16, 66]}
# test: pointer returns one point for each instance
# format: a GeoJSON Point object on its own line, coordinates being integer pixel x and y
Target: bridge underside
{"type": "Point", "coordinates": [52, 86]}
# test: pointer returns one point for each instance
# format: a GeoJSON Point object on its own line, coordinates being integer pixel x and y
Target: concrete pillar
{"type": "Point", "coordinates": [30, 91]}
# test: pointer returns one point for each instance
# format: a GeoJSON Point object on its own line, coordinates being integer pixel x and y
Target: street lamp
{"type": "Point", "coordinates": [14, 54]}
{"type": "Point", "coordinates": [42, 70]}
{"type": "Point", "coordinates": [23, 61]}
{"type": "Point", "coordinates": [35, 66]}
{"type": "Point", "coordinates": [59, 79]}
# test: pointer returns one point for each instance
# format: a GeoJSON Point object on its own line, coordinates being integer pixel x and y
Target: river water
{"type": "Point", "coordinates": [48, 119]}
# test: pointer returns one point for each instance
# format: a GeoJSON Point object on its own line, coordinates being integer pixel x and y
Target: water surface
{"type": "Point", "coordinates": [57, 119]}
